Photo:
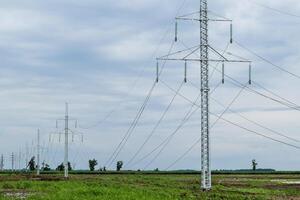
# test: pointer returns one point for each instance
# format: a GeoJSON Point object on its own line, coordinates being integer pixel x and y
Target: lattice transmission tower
{"type": "Point", "coordinates": [204, 50]}
{"type": "Point", "coordinates": [67, 131]}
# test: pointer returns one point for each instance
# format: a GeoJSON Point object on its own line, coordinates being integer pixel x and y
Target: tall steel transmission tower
{"type": "Point", "coordinates": [12, 161]}
{"type": "Point", "coordinates": [204, 70]}
{"type": "Point", "coordinates": [204, 49]}
{"type": "Point", "coordinates": [66, 157]}
{"type": "Point", "coordinates": [1, 162]}
{"type": "Point", "coordinates": [38, 153]}
{"type": "Point", "coordinates": [66, 132]}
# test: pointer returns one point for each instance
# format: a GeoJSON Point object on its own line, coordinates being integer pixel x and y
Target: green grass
{"type": "Point", "coordinates": [150, 186]}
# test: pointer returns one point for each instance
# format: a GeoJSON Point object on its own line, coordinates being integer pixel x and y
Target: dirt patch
{"type": "Point", "coordinates": [283, 186]}
{"type": "Point", "coordinates": [285, 198]}
{"type": "Point", "coordinates": [45, 178]}
{"type": "Point", "coordinates": [16, 194]}
{"type": "Point", "coordinates": [233, 183]}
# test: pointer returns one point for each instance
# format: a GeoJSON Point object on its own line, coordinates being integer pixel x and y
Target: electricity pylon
{"type": "Point", "coordinates": [38, 153]}
{"type": "Point", "coordinates": [66, 148]}
{"type": "Point", "coordinates": [2, 163]}
{"type": "Point", "coordinates": [26, 156]}
{"type": "Point", "coordinates": [12, 161]}
{"type": "Point", "coordinates": [204, 48]}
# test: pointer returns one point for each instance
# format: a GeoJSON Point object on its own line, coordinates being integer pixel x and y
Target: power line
{"type": "Point", "coordinates": [165, 145]}
{"type": "Point", "coordinates": [155, 127]}
{"type": "Point", "coordinates": [256, 133]}
{"type": "Point", "coordinates": [237, 125]}
{"type": "Point", "coordinates": [275, 9]}
{"type": "Point", "coordinates": [158, 123]}
{"type": "Point", "coordinates": [126, 139]}
{"type": "Point", "coordinates": [239, 84]}
{"type": "Point", "coordinates": [267, 61]}
{"type": "Point", "coordinates": [187, 99]}
{"type": "Point", "coordinates": [230, 104]}
{"type": "Point", "coordinates": [273, 93]}
{"type": "Point", "coordinates": [249, 120]}
{"type": "Point", "coordinates": [193, 146]}
{"type": "Point", "coordinates": [289, 104]}
{"type": "Point", "coordinates": [258, 124]}
{"type": "Point", "coordinates": [183, 155]}
{"type": "Point", "coordinates": [109, 114]}
{"type": "Point", "coordinates": [187, 116]}
{"type": "Point", "coordinates": [136, 119]}
{"type": "Point", "coordinates": [130, 129]}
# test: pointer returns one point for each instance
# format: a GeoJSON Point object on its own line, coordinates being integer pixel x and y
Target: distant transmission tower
{"type": "Point", "coordinates": [26, 157]}
{"type": "Point", "coordinates": [12, 162]}
{"type": "Point", "coordinates": [2, 162]}
{"type": "Point", "coordinates": [204, 60]}
{"type": "Point", "coordinates": [38, 153]}
{"type": "Point", "coordinates": [19, 160]}
{"type": "Point", "coordinates": [66, 130]}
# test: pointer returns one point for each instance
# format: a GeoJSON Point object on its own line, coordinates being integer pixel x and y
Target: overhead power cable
{"type": "Point", "coordinates": [183, 155]}
{"type": "Point", "coordinates": [256, 133]}
{"type": "Point", "coordinates": [280, 11]}
{"type": "Point", "coordinates": [259, 124]}
{"type": "Point", "coordinates": [249, 120]}
{"type": "Point", "coordinates": [187, 116]}
{"type": "Point", "coordinates": [165, 145]}
{"type": "Point", "coordinates": [287, 103]}
{"type": "Point", "coordinates": [125, 138]}
{"type": "Point", "coordinates": [267, 61]}
{"type": "Point", "coordinates": [124, 98]}
{"type": "Point", "coordinates": [199, 140]}
{"type": "Point", "coordinates": [239, 84]}
{"type": "Point", "coordinates": [273, 93]}
{"type": "Point", "coordinates": [158, 123]}
{"type": "Point", "coordinates": [109, 114]}
{"type": "Point", "coordinates": [130, 129]}
{"type": "Point", "coordinates": [237, 125]}
{"type": "Point", "coordinates": [156, 126]}
{"type": "Point", "coordinates": [187, 99]}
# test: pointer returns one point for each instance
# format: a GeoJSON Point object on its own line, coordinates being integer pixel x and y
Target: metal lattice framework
{"type": "Point", "coordinates": [204, 48]}
{"type": "Point", "coordinates": [204, 68]}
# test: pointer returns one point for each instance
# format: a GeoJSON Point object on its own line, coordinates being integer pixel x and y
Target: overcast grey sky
{"type": "Point", "coordinates": [100, 55]}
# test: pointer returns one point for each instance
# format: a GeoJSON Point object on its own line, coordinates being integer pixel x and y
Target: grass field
{"type": "Point", "coordinates": [151, 186]}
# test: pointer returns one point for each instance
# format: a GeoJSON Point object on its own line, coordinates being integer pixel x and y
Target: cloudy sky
{"type": "Point", "coordinates": [99, 56]}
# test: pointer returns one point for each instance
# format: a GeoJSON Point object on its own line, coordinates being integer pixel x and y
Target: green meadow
{"type": "Point", "coordinates": [149, 186]}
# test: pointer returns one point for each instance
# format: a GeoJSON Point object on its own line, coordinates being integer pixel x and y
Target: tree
{"type": "Point", "coordinates": [254, 165]}
{"type": "Point", "coordinates": [31, 164]}
{"type": "Point", "coordinates": [61, 167]}
{"type": "Point", "coordinates": [119, 165]}
{"type": "Point", "coordinates": [45, 167]}
{"type": "Point", "coordinates": [92, 164]}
